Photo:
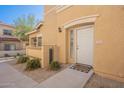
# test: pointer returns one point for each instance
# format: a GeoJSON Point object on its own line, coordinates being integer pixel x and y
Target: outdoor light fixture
{"type": "Point", "coordinates": [59, 29]}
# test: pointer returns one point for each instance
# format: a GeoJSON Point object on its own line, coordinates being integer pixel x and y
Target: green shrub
{"type": "Point", "coordinates": [6, 55]}
{"type": "Point", "coordinates": [55, 65]}
{"type": "Point", "coordinates": [22, 59]}
{"type": "Point", "coordinates": [18, 54]}
{"type": "Point", "coordinates": [33, 64]}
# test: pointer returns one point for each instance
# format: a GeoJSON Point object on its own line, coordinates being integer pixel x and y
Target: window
{"type": "Point", "coordinates": [34, 41]}
{"type": "Point", "coordinates": [7, 32]}
{"type": "Point", "coordinates": [9, 47]}
{"type": "Point", "coordinates": [71, 44]}
{"type": "Point", "coordinates": [39, 41]}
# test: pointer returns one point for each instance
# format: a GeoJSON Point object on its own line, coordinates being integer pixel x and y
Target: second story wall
{"type": "Point", "coordinates": [49, 8]}
{"type": "Point", "coordinates": [50, 26]}
{"type": "Point", "coordinates": [6, 29]}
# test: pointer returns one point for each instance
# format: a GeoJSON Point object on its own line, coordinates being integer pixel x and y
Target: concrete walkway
{"type": "Point", "coordinates": [6, 59]}
{"type": "Point", "coordinates": [67, 78]}
{"type": "Point", "coordinates": [9, 77]}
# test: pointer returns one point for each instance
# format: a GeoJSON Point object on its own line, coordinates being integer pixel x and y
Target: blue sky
{"type": "Point", "coordinates": [8, 13]}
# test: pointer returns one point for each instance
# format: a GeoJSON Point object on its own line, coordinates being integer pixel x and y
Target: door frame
{"type": "Point", "coordinates": [76, 42]}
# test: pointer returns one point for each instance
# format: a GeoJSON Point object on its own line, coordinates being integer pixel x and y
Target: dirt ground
{"type": "Point", "coordinates": [97, 81]}
{"type": "Point", "coordinates": [38, 75]}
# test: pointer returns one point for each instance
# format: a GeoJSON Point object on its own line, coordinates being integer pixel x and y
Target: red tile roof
{"type": "Point", "coordinates": [9, 38]}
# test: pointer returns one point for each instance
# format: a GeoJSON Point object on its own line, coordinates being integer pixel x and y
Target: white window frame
{"type": "Point", "coordinates": [38, 41]}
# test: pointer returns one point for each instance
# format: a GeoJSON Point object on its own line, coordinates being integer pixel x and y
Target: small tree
{"type": "Point", "coordinates": [23, 25]}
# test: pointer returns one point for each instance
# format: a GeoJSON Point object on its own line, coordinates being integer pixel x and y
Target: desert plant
{"type": "Point", "coordinates": [22, 59]}
{"type": "Point", "coordinates": [33, 64]}
{"type": "Point", "coordinates": [18, 54]}
{"type": "Point", "coordinates": [55, 65]}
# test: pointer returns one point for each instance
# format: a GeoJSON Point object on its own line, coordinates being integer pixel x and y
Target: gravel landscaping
{"type": "Point", "coordinates": [38, 75]}
{"type": "Point", "coordinates": [97, 81]}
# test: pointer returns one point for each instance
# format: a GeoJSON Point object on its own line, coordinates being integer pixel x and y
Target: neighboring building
{"type": "Point", "coordinates": [35, 42]}
{"type": "Point", "coordinates": [9, 44]}
{"type": "Point", "coordinates": [92, 35]}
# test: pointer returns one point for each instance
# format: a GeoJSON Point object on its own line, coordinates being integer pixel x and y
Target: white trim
{"type": "Point", "coordinates": [84, 19]}
{"type": "Point", "coordinates": [58, 9]}
{"type": "Point", "coordinates": [31, 32]}
{"type": "Point", "coordinates": [75, 40]}
{"type": "Point", "coordinates": [50, 10]}
{"type": "Point", "coordinates": [39, 35]}
{"type": "Point", "coordinates": [61, 8]}
{"type": "Point", "coordinates": [35, 29]}
{"type": "Point", "coordinates": [41, 23]}
{"type": "Point", "coordinates": [83, 27]}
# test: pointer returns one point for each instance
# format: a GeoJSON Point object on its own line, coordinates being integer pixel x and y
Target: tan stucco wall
{"type": "Point", "coordinates": [48, 7]}
{"type": "Point", "coordinates": [108, 30]}
{"type": "Point", "coordinates": [34, 52]}
{"type": "Point", "coordinates": [32, 35]}
{"type": "Point", "coordinates": [54, 20]}
{"type": "Point", "coordinates": [2, 27]}
{"type": "Point", "coordinates": [108, 56]}
{"type": "Point", "coordinates": [49, 32]}
{"type": "Point", "coordinates": [41, 52]}
{"type": "Point", "coordinates": [45, 50]}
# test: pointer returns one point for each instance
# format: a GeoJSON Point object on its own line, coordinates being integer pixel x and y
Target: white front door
{"type": "Point", "coordinates": [85, 45]}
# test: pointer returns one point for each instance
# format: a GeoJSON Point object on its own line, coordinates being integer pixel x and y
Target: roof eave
{"type": "Point", "coordinates": [35, 29]}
